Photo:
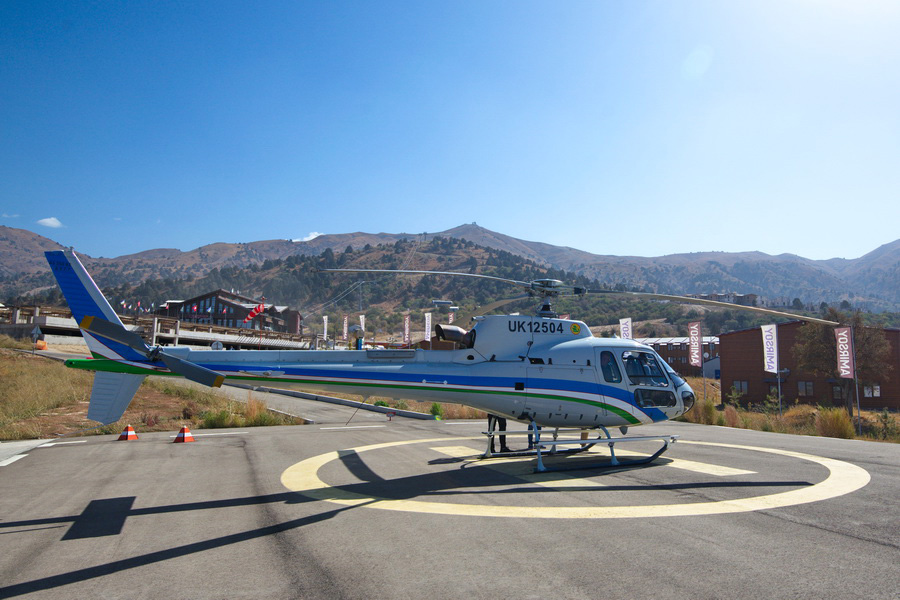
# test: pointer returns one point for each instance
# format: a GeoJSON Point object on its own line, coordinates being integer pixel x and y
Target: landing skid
{"type": "Point", "coordinates": [538, 447]}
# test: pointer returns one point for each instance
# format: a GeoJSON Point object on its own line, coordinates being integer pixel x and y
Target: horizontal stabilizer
{"type": "Point", "coordinates": [111, 395]}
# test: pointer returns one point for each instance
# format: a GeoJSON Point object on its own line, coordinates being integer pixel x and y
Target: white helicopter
{"type": "Point", "coordinates": [542, 370]}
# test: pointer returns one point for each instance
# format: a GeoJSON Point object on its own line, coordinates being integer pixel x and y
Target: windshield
{"type": "Point", "coordinates": [678, 379]}
{"type": "Point", "coordinates": [642, 368]}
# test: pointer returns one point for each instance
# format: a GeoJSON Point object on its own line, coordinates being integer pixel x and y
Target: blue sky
{"type": "Point", "coordinates": [629, 128]}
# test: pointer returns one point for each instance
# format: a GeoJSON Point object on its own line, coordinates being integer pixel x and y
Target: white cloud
{"type": "Point", "coordinates": [50, 222]}
{"type": "Point", "coordinates": [117, 218]}
{"type": "Point", "coordinates": [6, 216]}
{"type": "Point", "coordinates": [312, 235]}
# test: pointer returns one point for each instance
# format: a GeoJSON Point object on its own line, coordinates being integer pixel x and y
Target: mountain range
{"type": "Point", "coordinates": [869, 282]}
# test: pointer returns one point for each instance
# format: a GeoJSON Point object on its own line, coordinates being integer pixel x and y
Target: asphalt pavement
{"type": "Point", "coordinates": [405, 509]}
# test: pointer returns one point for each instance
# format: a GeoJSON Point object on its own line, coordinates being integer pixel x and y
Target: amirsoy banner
{"type": "Point", "coordinates": [845, 364]}
{"type": "Point", "coordinates": [695, 344]}
{"type": "Point", "coordinates": [625, 327]}
{"type": "Point", "coordinates": [770, 348]}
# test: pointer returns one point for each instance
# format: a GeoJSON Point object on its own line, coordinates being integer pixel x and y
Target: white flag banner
{"type": "Point", "coordinates": [695, 340]}
{"type": "Point", "coordinates": [325, 327]}
{"type": "Point", "coordinates": [406, 339]}
{"type": "Point", "coordinates": [845, 355]}
{"type": "Point", "coordinates": [450, 317]}
{"type": "Point", "coordinates": [346, 328]}
{"type": "Point", "coordinates": [427, 326]}
{"type": "Point", "coordinates": [625, 328]}
{"type": "Point", "coordinates": [770, 348]}
{"type": "Point", "coordinates": [362, 322]}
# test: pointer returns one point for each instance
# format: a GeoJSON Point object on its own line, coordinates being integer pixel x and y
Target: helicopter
{"type": "Point", "coordinates": [540, 370]}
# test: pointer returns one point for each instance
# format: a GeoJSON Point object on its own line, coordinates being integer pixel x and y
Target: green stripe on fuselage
{"type": "Point", "coordinates": [114, 366]}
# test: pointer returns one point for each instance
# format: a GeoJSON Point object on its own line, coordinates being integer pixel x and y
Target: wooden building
{"type": "Point", "coordinates": [741, 355]}
{"type": "Point", "coordinates": [227, 309]}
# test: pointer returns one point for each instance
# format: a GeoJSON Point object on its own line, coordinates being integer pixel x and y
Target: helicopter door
{"type": "Point", "coordinates": [609, 372]}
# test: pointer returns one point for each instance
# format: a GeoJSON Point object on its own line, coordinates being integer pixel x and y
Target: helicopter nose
{"type": "Point", "coordinates": [687, 398]}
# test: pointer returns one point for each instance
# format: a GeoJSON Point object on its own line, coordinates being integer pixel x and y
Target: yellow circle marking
{"type": "Point", "coordinates": [576, 328]}
{"type": "Point", "coordinates": [843, 478]}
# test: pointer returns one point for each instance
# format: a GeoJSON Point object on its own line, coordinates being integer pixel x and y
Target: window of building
{"type": "Point", "coordinates": [837, 392]}
{"type": "Point", "coordinates": [872, 391]}
{"type": "Point", "coordinates": [740, 386]}
{"type": "Point", "coordinates": [773, 389]}
{"type": "Point", "coordinates": [805, 389]}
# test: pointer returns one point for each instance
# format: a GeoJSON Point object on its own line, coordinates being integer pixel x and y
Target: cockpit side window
{"type": "Point", "coordinates": [610, 368]}
{"type": "Point", "coordinates": [642, 368]}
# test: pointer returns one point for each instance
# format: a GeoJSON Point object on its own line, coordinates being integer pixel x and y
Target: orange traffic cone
{"type": "Point", "coordinates": [184, 435]}
{"type": "Point", "coordinates": [128, 435]}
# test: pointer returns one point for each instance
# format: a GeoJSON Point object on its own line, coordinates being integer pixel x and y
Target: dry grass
{"type": "Point", "coordinates": [799, 419]}
{"type": "Point", "coordinates": [32, 387]}
{"type": "Point", "coordinates": [835, 422]}
{"type": "Point", "coordinates": [40, 398]}
{"type": "Point", "coordinates": [13, 343]}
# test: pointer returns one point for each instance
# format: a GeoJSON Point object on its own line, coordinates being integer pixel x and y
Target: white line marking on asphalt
{"type": "Point", "coordinates": [354, 427]}
{"type": "Point", "coordinates": [60, 443]}
{"type": "Point", "coordinates": [206, 434]}
{"type": "Point", "coordinates": [11, 460]}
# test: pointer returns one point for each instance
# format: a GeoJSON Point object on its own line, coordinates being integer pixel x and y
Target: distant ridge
{"type": "Point", "coordinates": [871, 281]}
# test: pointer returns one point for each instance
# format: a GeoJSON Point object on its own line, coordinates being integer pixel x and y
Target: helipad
{"type": "Point", "coordinates": [842, 478]}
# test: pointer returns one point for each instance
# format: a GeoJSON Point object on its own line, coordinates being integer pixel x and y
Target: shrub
{"type": "Point", "coordinates": [732, 419]}
{"type": "Point", "coordinates": [401, 405]}
{"type": "Point", "coordinates": [381, 403]}
{"type": "Point", "coordinates": [437, 410]}
{"type": "Point", "coordinates": [834, 422]}
{"type": "Point", "coordinates": [219, 419]}
{"type": "Point", "coordinates": [707, 412]}
{"type": "Point", "coordinates": [887, 425]}
{"type": "Point", "coordinates": [188, 410]}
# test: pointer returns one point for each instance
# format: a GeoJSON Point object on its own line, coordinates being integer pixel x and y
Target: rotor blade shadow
{"type": "Point", "coordinates": [54, 581]}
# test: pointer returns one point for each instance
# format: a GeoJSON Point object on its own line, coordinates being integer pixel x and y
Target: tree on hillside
{"type": "Point", "coordinates": [816, 352]}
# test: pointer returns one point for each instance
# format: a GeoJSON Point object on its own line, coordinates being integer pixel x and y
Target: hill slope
{"type": "Point", "coordinates": [871, 281]}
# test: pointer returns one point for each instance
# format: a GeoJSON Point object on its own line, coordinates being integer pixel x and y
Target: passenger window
{"type": "Point", "coordinates": [650, 398]}
{"type": "Point", "coordinates": [611, 372]}
{"type": "Point", "coordinates": [643, 369]}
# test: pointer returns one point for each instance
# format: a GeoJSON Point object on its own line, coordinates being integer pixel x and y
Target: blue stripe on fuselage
{"type": "Point", "coordinates": [551, 385]}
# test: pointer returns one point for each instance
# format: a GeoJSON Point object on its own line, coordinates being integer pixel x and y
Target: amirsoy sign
{"type": "Point", "coordinates": [770, 348]}
{"type": "Point", "coordinates": [695, 340]}
{"type": "Point", "coordinates": [844, 338]}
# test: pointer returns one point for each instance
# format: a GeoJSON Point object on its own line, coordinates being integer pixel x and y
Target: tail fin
{"type": "Point", "coordinates": [112, 392]}
{"type": "Point", "coordinates": [86, 300]}
{"type": "Point", "coordinates": [111, 395]}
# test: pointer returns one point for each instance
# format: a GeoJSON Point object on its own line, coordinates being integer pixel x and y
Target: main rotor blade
{"type": "Point", "coordinates": [524, 284]}
{"type": "Point", "coordinates": [716, 303]}
{"type": "Point", "coordinates": [192, 371]}
{"type": "Point", "coordinates": [489, 307]}
{"type": "Point", "coordinates": [114, 332]}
